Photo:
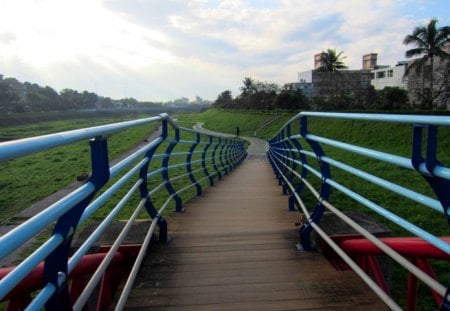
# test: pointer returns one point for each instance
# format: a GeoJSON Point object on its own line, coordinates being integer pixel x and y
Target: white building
{"type": "Point", "coordinates": [391, 76]}
{"type": "Point", "coordinates": [305, 76]}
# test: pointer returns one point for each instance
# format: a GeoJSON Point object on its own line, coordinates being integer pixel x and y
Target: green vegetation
{"type": "Point", "coordinates": [430, 43]}
{"type": "Point", "coordinates": [62, 165]}
{"type": "Point", "coordinates": [18, 97]}
{"type": "Point", "coordinates": [250, 123]}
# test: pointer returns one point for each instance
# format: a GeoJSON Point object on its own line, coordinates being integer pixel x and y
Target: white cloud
{"type": "Point", "coordinates": [159, 50]}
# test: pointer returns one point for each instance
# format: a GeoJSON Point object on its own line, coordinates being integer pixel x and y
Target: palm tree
{"type": "Point", "coordinates": [249, 86]}
{"type": "Point", "coordinates": [332, 61]}
{"type": "Point", "coordinates": [429, 41]}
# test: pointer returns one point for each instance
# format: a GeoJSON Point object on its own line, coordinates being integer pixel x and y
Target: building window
{"type": "Point", "coordinates": [390, 73]}
{"type": "Point", "coordinates": [372, 76]}
{"type": "Point", "coordinates": [381, 74]}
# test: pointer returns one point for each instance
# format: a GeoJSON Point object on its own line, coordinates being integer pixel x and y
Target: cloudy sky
{"type": "Point", "coordinates": [160, 50]}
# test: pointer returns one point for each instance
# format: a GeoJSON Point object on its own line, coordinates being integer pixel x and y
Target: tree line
{"type": "Point", "coordinates": [16, 97]}
{"type": "Point", "coordinates": [269, 96]}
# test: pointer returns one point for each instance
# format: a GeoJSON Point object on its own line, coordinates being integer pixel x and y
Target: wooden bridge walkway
{"type": "Point", "coordinates": [234, 249]}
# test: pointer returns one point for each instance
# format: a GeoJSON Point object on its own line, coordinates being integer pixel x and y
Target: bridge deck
{"type": "Point", "coordinates": [234, 248]}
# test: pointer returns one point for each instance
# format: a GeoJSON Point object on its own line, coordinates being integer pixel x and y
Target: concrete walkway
{"type": "Point", "coordinates": [234, 249]}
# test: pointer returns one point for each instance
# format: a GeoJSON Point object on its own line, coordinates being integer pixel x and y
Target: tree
{"type": "Point", "coordinates": [249, 87]}
{"type": "Point", "coordinates": [9, 100]}
{"type": "Point", "coordinates": [391, 98]}
{"type": "Point", "coordinates": [429, 41]}
{"type": "Point", "coordinates": [331, 62]}
{"type": "Point", "coordinates": [224, 100]}
{"type": "Point", "coordinates": [292, 100]}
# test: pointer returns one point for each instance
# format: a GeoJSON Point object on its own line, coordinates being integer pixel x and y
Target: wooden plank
{"type": "Point", "coordinates": [234, 248]}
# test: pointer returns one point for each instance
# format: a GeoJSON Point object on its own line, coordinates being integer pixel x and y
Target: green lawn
{"type": "Point", "coordinates": [28, 179]}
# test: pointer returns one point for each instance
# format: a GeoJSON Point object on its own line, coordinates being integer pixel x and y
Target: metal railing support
{"type": "Point", "coordinates": [316, 215]}
{"type": "Point", "coordinates": [143, 188]}
{"type": "Point", "coordinates": [189, 165]}
{"type": "Point", "coordinates": [214, 161]}
{"type": "Point", "coordinates": [439, 185]}
{"type": "Point", "coordinates": [304, 171]}
{"type": "Point", "coordinates": [165, 172]}
{"type": "Point", "coordinates": [205, 169]}
{"type": "Point", "coordinates": [55, 268]}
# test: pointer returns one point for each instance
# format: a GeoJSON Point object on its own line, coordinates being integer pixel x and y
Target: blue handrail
{"type": "Point", "coordinates": [287, 156]}
{"type": "Point", "coordinates": [190, 167]}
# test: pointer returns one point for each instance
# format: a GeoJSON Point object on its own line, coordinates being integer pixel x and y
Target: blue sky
{"type": "Point", "coordinates": [162, 50]}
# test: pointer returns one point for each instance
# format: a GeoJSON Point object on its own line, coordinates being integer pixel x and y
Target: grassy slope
{"type": "Point", "coordinates": [226, 121]}
{"type": "Point", "coordinates": [62, 165]}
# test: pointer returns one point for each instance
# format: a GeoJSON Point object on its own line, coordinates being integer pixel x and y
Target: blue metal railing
{"type": "Point", "coordinates": [296, 153]}
{"type": "Point", "coordinates": [203, 159]}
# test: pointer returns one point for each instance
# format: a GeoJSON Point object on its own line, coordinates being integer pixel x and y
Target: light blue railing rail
{"type": "Point", "coordinates": [299, 160]}
{"type": "Point", "coordinates": [203, 159]}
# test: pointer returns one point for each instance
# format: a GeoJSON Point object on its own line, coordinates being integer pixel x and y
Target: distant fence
{"type": "Point", "coordinates": [298, 159]}
{"type": "Point", "coordinates": [49, 277]}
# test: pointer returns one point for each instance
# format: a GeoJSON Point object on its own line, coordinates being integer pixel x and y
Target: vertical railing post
{"type": "Point", "coordinates": [189, 165]}
{"type": "Point", "coordinates": [214, 160]}
{"type": "Point", "coordinates": [222, 146]}
{"type": "Point", "coordinates": [280, 146]}
{"type": "Point", "coordinates": [439, 185]}
{"type": "Point", "coordinates": [55, 268]}
{"type": "Point", "coordinates": [325, 190]}
{"type": "Point", "coordinates": [289, 153]}
{"type": "Point", "coordinates": [229, 154]}
{"type": "Point", "coordinates": [165, 172]}
{"type": "Point", "coordinates": [224, 155]}
{"type": "Point", "coordinates": [232, 154]}
{"type": "Point", "coordinates": [143, 188]}
{"type": "Point", "coordinates": [304, 173]}
{"type": "Point", "coordinates": [205, 169]}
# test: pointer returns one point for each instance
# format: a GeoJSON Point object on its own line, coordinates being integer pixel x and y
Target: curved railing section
{"type": "Point", "coordinates": [300, 160]}
{"type": "Point", "coordinates": [160, 173]}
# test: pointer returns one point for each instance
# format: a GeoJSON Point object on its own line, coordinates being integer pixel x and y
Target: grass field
{"type": "Point", "coordinates": [226, 121]}
{"type": "Point", "coordinates": [24, 181]}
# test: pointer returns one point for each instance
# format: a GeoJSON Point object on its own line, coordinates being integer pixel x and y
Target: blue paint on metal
{"type": "Point", "coordinates": [205, 169]}
{"type": "Point", "coordinates": [221, 157]}
{"type": "Point", "coordinates": [56, 262]}
{"type": "Point", "coordinates": [304, 171]}
{"type": "Point", "coordinates": [440, 186]}
{"type": "Point", "coordinates": [428, 166]}
{"type": "Point", "coordinates": [143, 188]}
{"type": "Point", "coordinates": [165, 173]}
{"type": "Point", "coordinates": [189, 164]}
{"type": "Point", "coordinates": [306, 229]}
